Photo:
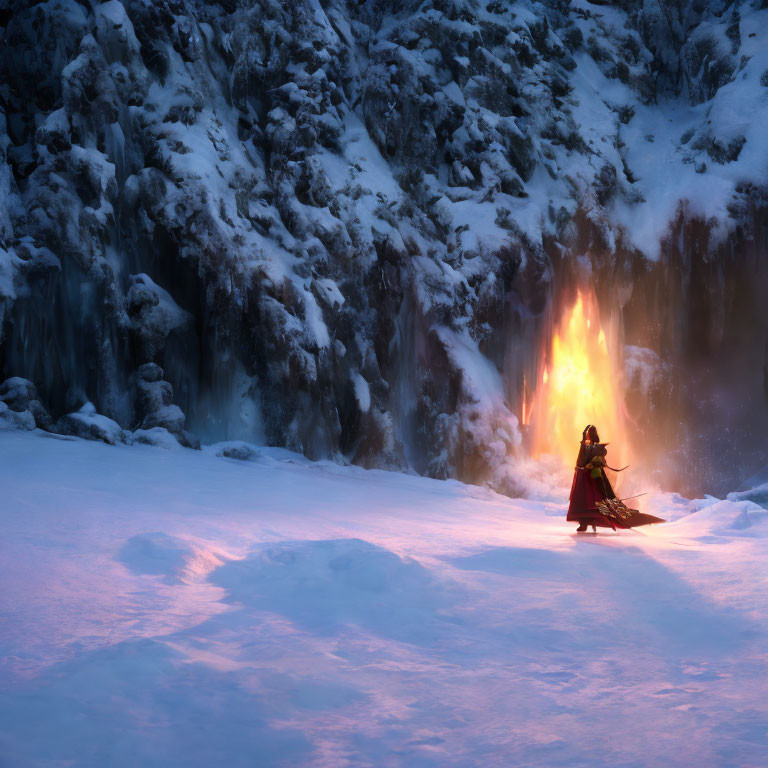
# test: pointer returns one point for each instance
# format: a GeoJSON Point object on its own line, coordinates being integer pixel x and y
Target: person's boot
{"type": "Point", "coordinates": [594, 529]}
{"type": "Point", "coordinates": [582, 528]}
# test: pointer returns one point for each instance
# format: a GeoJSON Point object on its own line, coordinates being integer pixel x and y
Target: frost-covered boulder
{"type": "Point", "coordinates": [169, 417]}
{"type": "Point", "coordinates": [157, 436]}
{"type": "Point", "coordinates": [156, 409]}
{"type": "Point", "coordinates": [20, 396]}
{"type": "Point", "coordinates": [17, 393]}
{"type": "Point", "coordinates": [10, 419]}
{"type": "Point", "coordinates": [154, 315]}
{"type": "Point", "coordinates": [90, 425]}
{"type": "Point", "coordinates": [154, 394]}
{"type": "Point", "coordinates": [237, 449]}
{"type": "Point", "coordinates": [55, 131]}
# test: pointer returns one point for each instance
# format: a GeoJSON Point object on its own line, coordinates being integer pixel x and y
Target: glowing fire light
{"type": "Point", "coordinates": [579, 385]}
{"type": "Point", "coordinates": [525, 416]}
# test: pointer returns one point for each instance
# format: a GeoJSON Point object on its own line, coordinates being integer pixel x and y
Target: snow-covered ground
{"type": "Point", "coordinates": [179, 608]}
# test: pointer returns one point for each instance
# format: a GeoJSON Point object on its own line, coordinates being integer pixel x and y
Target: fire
{"type": "Point", "coordinates": [579, 385]}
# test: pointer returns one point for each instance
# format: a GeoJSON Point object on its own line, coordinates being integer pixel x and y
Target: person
{"type": "Point", "coordinates": [592, 501]}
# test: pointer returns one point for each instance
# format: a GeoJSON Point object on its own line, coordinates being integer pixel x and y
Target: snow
{"type": "Point", "coordinates": [480, 378]}
{"type": "Point", "coordinates": [180, 608]}
{"type": "Point", "coordinates": [8, 263]}
{"type": "Point", "coordinates": [15, 420]}
{"type": "Point", "coordinates": [362, 392]}
{"type": "Point", "coordinates": [667, 171]}
{"type": "Point", "coordinates": [88, 423]}
{"type": "Point", "coordinates": [166, 313]}
{"type": "Point", "coordinates": [157, 436]}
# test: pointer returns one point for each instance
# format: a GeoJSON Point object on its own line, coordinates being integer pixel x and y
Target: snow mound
{"type": "Point", "coordinates": [159, 554]}
{"type": "Point", "coordinates": [672, 506]}
{"type": "Point", "coordinates": [758, 495]}
{"type": "Point", "coordinates": [325, 585]}
{"type": "Point", "coordinates": [159, 437]}
{"type": "Point", "coordinates": [725, 518]}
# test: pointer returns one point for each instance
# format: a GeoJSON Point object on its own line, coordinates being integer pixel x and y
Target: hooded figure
{"type": "Point", "coordinates": [592, 500]}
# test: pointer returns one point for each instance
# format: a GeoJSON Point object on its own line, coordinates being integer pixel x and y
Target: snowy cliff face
{"type": "Point", "coordinates": [340, 226]}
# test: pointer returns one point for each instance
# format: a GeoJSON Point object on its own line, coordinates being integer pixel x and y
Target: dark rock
{"type": "Point", "coordinates": [89, 425]}
{"type": "Point", "coordinates": [20, 396]}
{"type": "Point", "coordinates": [238, 450]}
{"type": "Point", "coordinates": [17, 393]}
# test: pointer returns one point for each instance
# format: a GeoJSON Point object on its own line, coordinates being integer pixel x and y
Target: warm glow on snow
{"type": "Point", "coordinates": [579, 385]}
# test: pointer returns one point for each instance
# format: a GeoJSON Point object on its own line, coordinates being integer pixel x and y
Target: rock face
{"type": "Point", "coordinates": [338, 226]}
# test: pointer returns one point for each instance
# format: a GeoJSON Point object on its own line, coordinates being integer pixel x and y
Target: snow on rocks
{"type": "Point", "coordinates": [10, 419]}
{"type": "Point", "coordinates": [90, 425]}
{"type": "Point", "coordinates": [17, 393]}
{"type": "Point", "coordinates": [244, 189]}
{"type": "Point", "coordinates": [169, 417]}
{"type": "Point", "coordinates": [9, 263]}
{"type": "Point", "coordinates": [362, 393]}
{"type": "Point", "coordinates": [154, 315]}
{"type": "Point", "coordinates": [159, 437]}
{"type": "Point", "coordinates": [22, 402]}
{"type": "Point", "coordinates": [156, 409]}
{"type": "Point", "coordinates": [486, 435]}
{"type": "Point", "coordinates": [162, 422]}
{"type": "Point", "coordinates": [237, 449]}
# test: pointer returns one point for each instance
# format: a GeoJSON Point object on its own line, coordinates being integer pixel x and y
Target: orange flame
{"type": "Point", "coordinates": [579, 385]}
{"type": "Point", "coordinates": [525, 416]}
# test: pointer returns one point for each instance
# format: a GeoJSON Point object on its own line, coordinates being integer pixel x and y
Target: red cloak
{"type": "Point", "coordinates": [586, 491]}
